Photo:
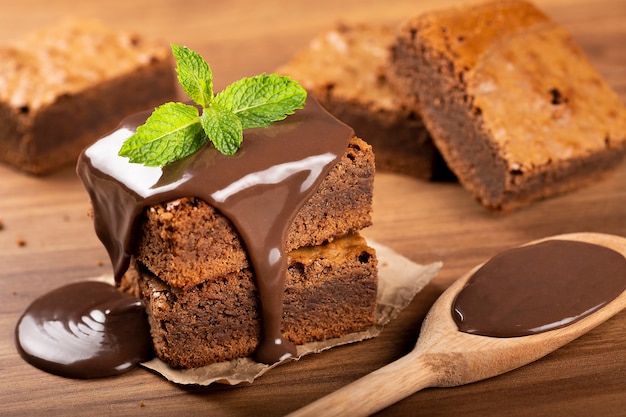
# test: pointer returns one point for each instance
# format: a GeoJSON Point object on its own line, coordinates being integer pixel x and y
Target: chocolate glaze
{"type": "Point", "coordinates": [538, 288]}
{"type": "Point", "coordinates": [84, 330]}
{"type": "Point", "coordinates": [260, 189]}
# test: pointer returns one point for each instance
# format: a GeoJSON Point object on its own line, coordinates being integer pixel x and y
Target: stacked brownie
{"type": "Point", "coordinates": [192, 271]}
{"type": "Point", "coordinates": [189, 247]}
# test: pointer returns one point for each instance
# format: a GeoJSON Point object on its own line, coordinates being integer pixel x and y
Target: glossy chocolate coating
{"type": "Point", "coordinates": [537, 288]}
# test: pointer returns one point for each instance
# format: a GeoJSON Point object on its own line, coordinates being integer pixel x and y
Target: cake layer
{"type": "Point", "coordinates": [512, 103]}
{"type": "Point", "coordinates": [345, 69]}
{"type": "Point", "coordinates": [187, 241]}
{"type": "Point", "coordinates": [63, 87]}
{"type": "Point", "coordinates": [330, 291]}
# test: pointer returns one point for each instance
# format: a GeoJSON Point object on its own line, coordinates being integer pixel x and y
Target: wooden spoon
{"type": "Point", "coordinates": [446, 357]}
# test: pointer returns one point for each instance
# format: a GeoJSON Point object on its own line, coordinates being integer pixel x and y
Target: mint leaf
{"type": "Point", "coordinates": [223, 128]}
{"type": "Point", "coordinates": [172, 132]}
{"type": "Point", "coordinates": [176, 130]}
{"type": "Point", "coordinates": [194, 75]}
{"type": "Point", "coordinates": [259, 101]}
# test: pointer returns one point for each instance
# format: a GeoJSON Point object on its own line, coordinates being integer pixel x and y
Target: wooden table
{"type": "Point", "coordinates": [48, 240]}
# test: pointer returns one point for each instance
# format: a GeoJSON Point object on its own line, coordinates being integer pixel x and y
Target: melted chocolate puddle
{"type": "Point", "coordinates": [84, 330]}
{"type": "Point", "coordinates": [538, 288]}
{"type": "Point", "coordinates": [260, 190]}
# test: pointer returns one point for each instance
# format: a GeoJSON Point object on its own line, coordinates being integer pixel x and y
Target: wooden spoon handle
{"type": "Point", "coordinates": [374, 391]}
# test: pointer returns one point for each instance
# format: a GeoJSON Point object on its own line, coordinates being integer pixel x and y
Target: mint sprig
{"type": "Point", "coordinates": [177, 130]}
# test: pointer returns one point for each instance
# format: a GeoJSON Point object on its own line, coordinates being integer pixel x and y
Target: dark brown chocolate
{"type": "Point", "coordinates": [260, 190]}
{"type": "Point", "coordinates": [538, 288]}
{"type": "Point", "coordinates": [84, 330]}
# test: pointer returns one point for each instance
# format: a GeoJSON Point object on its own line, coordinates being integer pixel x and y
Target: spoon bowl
{"type": "Point", "coordinates": [446, 357]}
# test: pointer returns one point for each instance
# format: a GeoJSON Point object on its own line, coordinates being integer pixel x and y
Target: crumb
{"type": "Point", "coordinates": [21, 242]}
{"type": "Point", "coordinates": [141, 404]}
{"type": "Point", "coordinates": [1, 225]}
{"type": "Point", "coordinates": [100, 263]}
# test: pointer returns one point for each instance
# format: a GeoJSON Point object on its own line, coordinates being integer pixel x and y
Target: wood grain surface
{"type": "Point", "coordinates": [47, 239]}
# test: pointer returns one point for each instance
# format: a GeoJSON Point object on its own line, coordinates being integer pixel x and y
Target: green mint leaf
{"type": "Point", "coordinates": [223, 128]}
{"type": "Point", "coordinates": [259, 101]}
{"type": "Point", "coordinates": [172, 132]}
{"type": "Point", "coordinates": [176, 130]}
{"type": "Point", "coordinates": [194, 75]}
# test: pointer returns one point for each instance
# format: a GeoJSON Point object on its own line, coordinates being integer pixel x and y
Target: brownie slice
{"type": "Point", "coordinates": [511, 101]}
{"type": "Point", "coordinates": [330, 291]}
{"type": "Point", "coordinates": [63, 87]}
{"type": "Point", "coordinates": [345, 69]}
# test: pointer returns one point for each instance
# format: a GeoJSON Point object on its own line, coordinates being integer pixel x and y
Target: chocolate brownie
{"type": "Point", "coordinates": [345, 69]}
{"type": "Point", "coordinates": [191, 269]}
{"type": "Point", "coordinates": [330, 291]}
{"type": "Point", "coordinates": [268, 220]}
{"type": "Point", "coordinates": [64, 86]}
{"type": "Point", "coordinates": [512, 103]}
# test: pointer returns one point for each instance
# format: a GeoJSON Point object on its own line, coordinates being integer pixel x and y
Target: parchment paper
{"type": "Point", "coordinates": [399, 280]}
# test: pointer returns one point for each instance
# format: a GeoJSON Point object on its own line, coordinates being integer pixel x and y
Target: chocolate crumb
{"type": "Point", "coordinates": [21, 242]}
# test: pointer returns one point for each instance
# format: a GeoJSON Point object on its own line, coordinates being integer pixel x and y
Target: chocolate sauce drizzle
{"type": "Point", "coordinates": [260, 189]}
{"type": "Point", "coordinates": [84, 330]}
{"type": "Point", "coordinates": [538, 288]}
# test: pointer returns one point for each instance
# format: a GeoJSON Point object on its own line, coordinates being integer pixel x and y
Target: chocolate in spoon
{"type": "Point", "coordinates": [445, 356]}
